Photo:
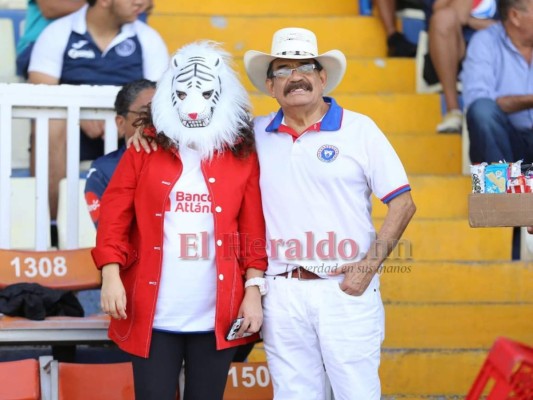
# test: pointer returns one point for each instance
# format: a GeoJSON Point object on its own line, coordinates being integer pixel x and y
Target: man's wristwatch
{"type": "Point", "coordinates": [261, 283]}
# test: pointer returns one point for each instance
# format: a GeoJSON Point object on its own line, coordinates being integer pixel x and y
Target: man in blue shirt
{"type": "Point", "coordinates": [498, 86]}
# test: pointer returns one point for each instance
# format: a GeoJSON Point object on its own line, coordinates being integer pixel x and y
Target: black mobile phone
{"type": "Point", "coordinates": [234, 328]}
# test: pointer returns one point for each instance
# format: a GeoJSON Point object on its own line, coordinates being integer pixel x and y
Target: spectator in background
{"type": "Point", "coordinates": [451, 25]}
{"type": "Point", "coordinates": [498, 90]}
{"type": "Point", "coordinates": [498, 86]}
{"type": "Point", "coordinates": [101, 44]}
{"type": "Point", "coordinates": [131, 100]}
{"type": "Point", "coordinates": [397, 43]}
{"type": "Point", "coordinates": [39, 13]}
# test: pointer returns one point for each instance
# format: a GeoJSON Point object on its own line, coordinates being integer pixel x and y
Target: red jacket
{"type": "Point", "coordinates": [130, 233]}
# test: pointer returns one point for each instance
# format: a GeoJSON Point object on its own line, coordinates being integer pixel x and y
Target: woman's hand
{"type": "Point", "coordinates": [113, 294]}
{"type": "Point", "coordinates": [251, 310]}
{"type": "Point", "coordinates": [139, 141]}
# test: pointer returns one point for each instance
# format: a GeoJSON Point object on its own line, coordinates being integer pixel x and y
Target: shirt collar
{"type": "Point", "coordinates": [331, 121]}
{"type": "Point", "coordinates": [79, 23]}
{"type": "Point", "coordinates": [505, 38]}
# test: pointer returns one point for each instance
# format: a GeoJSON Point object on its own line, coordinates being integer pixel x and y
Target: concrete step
{"type": "Point", "coordinates": [426, 373]}
{"type": "Point", "coordinates": [436, 197]}
{"type": "Point", "coordinates": [414, 151]}
{"type": "Point", "coordinates": [465, 326]}
{"type": "Point", "coordinates": [395, 114]}
{"type": "Point", "coordinates": [450, 240]}
{"type": "Point", "coordinates": [366, 76]}
{"type": "Point", "coordinates": [255, 8]}
{"type": "Point", "coordinates": [454, 283]}
{"type": "Point", "coordinates": [354, 35]}
{"type": "Point", "coordinates": [421, 374]}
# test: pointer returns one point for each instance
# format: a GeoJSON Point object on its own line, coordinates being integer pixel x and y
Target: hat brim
{"type": "Point", "coordinates": [256, 64]}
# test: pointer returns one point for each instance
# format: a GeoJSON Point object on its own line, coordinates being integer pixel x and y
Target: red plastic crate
{"type": "Point", "coordinates": [509, 367]}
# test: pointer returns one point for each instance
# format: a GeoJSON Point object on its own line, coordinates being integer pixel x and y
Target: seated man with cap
{"type": "Point", "coordinates": [320, 163]}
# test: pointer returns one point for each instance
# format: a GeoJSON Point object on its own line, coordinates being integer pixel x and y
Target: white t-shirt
{"type": "Point", "coordinates": [187, 295]}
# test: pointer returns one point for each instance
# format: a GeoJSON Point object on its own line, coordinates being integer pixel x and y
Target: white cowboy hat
{"type": "Point", "coordinates": [294, 44]}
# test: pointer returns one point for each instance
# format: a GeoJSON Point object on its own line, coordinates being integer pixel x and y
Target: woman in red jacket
{"type": "Point", "coordinates": [181, 230]}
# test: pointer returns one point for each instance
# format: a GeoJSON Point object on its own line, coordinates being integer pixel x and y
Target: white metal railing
{"type": "Point", "coordinates": [42, 103]}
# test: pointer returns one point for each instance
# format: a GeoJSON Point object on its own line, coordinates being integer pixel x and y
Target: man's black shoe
{"type": "Point", "coordinates": [399, 46]}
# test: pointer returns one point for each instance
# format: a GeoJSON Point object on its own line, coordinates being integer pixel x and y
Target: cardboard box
{"type": "Point", "coordinates": [500, 209]}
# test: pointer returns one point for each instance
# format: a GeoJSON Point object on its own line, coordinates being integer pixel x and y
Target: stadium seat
{"type": "Point", "coordinates": [365, 7]}
{"type": "Point", "coordinates": [526, 245]}
{"type": "Point", "coordinates": [19, 380]}
{"type": "Point", "coordinates": [7, 49]}
{"type": "Point", "coordinates": [86, 229]}
{"type": "Point", "coordinates": [70, 381]}
{"type": "Point", "coordinates": [21, 127]}
{"type": "Point", "coordinates": [17, 14]}
{"type": "Point", "coordinates": [23, 213]}
{"type": "Point", "coordinates": [58, 269]}
{"type": "Point", "coordinates": [67, 270]}
{"type": "Point", "coordinates": [413, 21]}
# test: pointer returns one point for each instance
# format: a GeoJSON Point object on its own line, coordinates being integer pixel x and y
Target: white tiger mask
{"type": "Point", "coordinates": [195, 89]}
{"type": "Point", "coordinates": [199, 101]}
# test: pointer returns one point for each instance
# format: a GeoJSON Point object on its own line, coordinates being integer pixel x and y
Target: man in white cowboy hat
{"type": "Point", "coordinates": [320, 163]}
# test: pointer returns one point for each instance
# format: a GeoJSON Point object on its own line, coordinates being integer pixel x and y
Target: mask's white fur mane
{"type": "Point", "coordinates": [229, 114]}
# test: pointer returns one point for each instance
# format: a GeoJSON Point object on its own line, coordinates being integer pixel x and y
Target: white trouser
{"type": "Point", "coordinates": [312, 325]}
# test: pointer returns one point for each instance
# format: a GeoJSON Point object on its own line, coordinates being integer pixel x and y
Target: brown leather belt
{"type": "Point", "coordinates": [300, 273]}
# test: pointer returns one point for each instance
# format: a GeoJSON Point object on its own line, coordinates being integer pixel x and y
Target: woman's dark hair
{"type": "Point", "coordinates": [129, 93]}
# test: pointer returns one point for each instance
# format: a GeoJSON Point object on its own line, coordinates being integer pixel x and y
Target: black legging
{"type": "Point", "coordinates": [156, 377]}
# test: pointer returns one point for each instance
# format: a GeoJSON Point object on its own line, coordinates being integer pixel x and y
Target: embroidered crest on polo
{"type": "Point", "coordinates": [126, 48]}
{"type": "Point", "coordinates": [327, 153]}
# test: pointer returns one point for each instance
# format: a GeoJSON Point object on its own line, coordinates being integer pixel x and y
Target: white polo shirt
{"type": "Point", "coordinates": [316, 188]}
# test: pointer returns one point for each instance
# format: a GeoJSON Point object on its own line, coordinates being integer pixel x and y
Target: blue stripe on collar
{"type": "Point", "coordinates": [331, 122]}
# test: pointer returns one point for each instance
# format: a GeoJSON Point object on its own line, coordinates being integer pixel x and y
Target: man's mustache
{"type": "Point", "coordinates": [297, 85]}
